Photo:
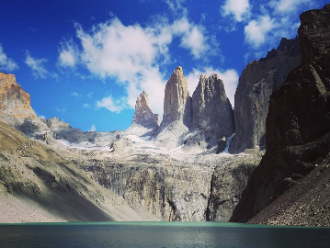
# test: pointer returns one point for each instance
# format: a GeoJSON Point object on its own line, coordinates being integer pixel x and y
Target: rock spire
{"type": "Point", "coordinates": [212, 110]}
{"type": "Point", "coordinates": [143, 114]}
{"type": "Point", "coordinates": [177, 102]}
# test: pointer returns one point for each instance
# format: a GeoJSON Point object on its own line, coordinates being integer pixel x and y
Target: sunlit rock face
{"type": "Point", "coordinates": [143, 115]}
{"type": "Point", "coordinates": [170, 189]}
{"type": "Point", "coordinates": [177, 115]}
{"type": "Point", "coordinates": [16, 110]}
{"type": "Point", "coordinates": [212, 110]}
{"type": "Point", "coordinates": [15, 103]}
{"type": "Point", "coordinates": [256, 84]}
{"type": "Point", "coordinates": [177, 102]}
{"type": "Point", "coordinates": [298, 125]}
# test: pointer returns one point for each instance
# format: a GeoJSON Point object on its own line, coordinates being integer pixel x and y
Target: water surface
{"type": "Point", "coordinates": [160, 234]}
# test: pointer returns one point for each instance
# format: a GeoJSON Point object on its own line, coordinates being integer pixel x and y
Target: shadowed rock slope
{"type": "Point", "coordinates": [298, 129]}
{"type": "Point", "coordinates": [257, 82]}
{"type": "Point", "coordinates": [212, 112]}
{"type": "Point", "coordinates": [37, 184]}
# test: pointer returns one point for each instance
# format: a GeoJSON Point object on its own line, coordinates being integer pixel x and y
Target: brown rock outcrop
{"type": "Point", "coordinates": [143, 115]}
{"type": "Point", "coordinates": [257, 82]}
{"type": "Point", "coordinates": [177, 102]}
{"type": "Point", "coordinates": [298, 123]}
{"type": "Point", "coordinates": [212, 110]}
{"type": "Point", "coordinates": [15, 103]}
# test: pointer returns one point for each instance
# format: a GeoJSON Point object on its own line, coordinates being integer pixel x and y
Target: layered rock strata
{"type": "Point", "coordinates": [298, 123]}
{"type": "Point", "coordinates": [171, 190]}
{"type": "Point", "coordinates": [257, 82]}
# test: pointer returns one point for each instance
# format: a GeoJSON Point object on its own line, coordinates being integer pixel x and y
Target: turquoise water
{"type": "Point", "coordinates": [160, 234]}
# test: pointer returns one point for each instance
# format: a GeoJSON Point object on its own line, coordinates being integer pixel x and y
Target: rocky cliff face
{"type": "Point", "coordinates": [298, 123]}
{"type": "Point", "coordinates": [170, 189]}
{"type": "Point", "coordinates": [175, 190]}
{"type": "Point", "coordinates": [257, 82]}
{"type": "Point", "coordinates": [212, 111]}
{"type": "Point", "coordinates": [15, 103]}
{"type": "Point", "coordinates": [177, 102]}
{"type": "Point", "coordinates": [143, 115]}
{"type": "Point", "coordinates": [16, 110]}
{"type": "Point", "coordinates": [229, 179]}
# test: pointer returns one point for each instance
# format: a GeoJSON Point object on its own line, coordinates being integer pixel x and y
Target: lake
{"type": "Point", "coordinates": [160, 234]}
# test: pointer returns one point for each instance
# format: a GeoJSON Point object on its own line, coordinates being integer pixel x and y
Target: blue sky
{"type": "Point", "coordinates": [87, 61]}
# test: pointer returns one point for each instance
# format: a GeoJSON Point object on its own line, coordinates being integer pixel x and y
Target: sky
{"type": "Point", "coordinates": [86, 62]}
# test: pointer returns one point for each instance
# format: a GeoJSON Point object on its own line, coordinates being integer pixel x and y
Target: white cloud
{"type": "Point", "coordinates": [6, 63]}
{"type": "Point", "coordinates": [132, 55]}
{"type": "Point", "coordinates": [285, 6]}
{"type": "Point", "coordinates": [229, 78]}
{"type": "Point", "coordinates": [68, 54]}
{"type": "Point", "coordinates": [93, 128]}
{"type": "Point", "coordinates": [61, 110]}
{"type": "Point", "coordinates": [193, 37]}
{"type": "Point", "coordinates": [86, 105]}
{"type": "Point", "coordinates": [240, 9]}
{"type": "Point", "coordinates": [194, 40]}
{"type": "Point", "coordinates": [75, 94]}
{"type": "Point", "coordinates": [114, 105]}
{"type": "Point", "coordinates": [257, 30]}
{"type": "Point", "coordinates": [177, 7]}
{"type": "Point", "coordinates": [36, 65]}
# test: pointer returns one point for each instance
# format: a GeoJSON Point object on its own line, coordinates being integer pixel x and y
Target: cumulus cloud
{"type": "Point", "coordinates": [93, 128]}
{"type": "Point", "coordinates": [257, 30]}
{"type": "Point", "coordinates": [229, 78]}
{"type": "Point", "coordinates": [6, 63]}
{"type": "Point", "coordinates": [194, 40]}
{"type": "Point", "coordinates": [239, 9]}
{"type": "Point", "coordinates": [193, 37]}
{"type": "Point", "coordinates": [114, 105]}
{"type": "Point", "coordinates": [68, 54]}
{"type": "Point", "coordinates": [86, 105]}
{"type": "Point", "coordinates": [36, 65]}
{"type": "Point", "coordinates": [132, 55]}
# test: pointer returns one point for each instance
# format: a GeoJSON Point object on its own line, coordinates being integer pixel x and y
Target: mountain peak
{"type": "Point", "coordinates": [15, 103]}
{"type": "Point", "coordinates": [177, 101]}
{"type": "Point", "coordinates": [143, 114]}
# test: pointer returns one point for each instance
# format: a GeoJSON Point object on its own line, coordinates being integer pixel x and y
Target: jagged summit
{"type": "Point", "coordinates": [212, 118]}
{"type": "Point", "coordinates": [54, 123]}
{"type": "Point", "coordinates": [143, 115]}
{"type": "Point", "coordinates": [212, 110]}
{"type": "Point", "coordinates": [177, 101]}
{"type": "Point", "coordinates": [257, 82]}
{"type": "Point", "coordinates": [15, 103]}
{"type": "Point", "coordinates": [297, 140]}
